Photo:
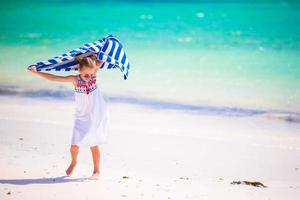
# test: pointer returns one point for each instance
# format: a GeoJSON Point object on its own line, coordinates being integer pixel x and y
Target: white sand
{"type": "Point", "coordinates": [166, 155]}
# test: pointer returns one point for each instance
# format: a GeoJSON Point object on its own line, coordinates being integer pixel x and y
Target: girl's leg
{"type": "Point", "coordinates": [74, 153]}
{"type": "Point", "coordinates": [96, 160]}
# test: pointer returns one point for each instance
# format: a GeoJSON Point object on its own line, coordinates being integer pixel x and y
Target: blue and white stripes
{"type": "Point", "coordinates": [113, 55]}
{"type": "Point", "coordinates": [110, 51]}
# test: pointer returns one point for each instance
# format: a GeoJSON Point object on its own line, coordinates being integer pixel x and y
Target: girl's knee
{"type": "Point", "coordinates": [94, 148]}
{"type": "Point", "coordinates": [74, 148]}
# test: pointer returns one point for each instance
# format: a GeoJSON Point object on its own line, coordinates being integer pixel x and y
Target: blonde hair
{"type": "Point", "coordinates": [89, 62]}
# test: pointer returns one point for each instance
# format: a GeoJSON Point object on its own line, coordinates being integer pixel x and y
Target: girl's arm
{"type": "Point", "coordinates": [97, 66]}
{"type": "Point", "coordinates": [97, 62]}
{"type": "Point", "coordinates": [52, 77]}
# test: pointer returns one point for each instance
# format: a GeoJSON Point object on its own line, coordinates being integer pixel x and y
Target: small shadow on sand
{"type": "Point", "coordinates": [60, 179]}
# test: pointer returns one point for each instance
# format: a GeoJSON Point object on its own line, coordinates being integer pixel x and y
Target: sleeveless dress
{"type": "Point", "coordinates": [91, 114]}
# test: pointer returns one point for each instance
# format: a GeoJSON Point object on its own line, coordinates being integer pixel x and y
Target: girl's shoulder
{"type": "Point", "coordinates": [73, 79]}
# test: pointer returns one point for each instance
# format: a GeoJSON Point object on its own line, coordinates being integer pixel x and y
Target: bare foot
{"type": "Point", "coordinates": [95, 176]}
{"type": "Point", "coordinates": [70, 169]}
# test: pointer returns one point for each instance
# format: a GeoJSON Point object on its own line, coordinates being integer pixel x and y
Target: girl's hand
{"type": "Point", "coordinates": [78, 58]}
{"type": "Point", "coordinates": [32, 69]}
{"type": "Point", "coordinates": [98, 63]}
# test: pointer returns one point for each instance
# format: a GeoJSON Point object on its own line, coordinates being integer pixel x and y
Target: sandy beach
{"type": "Point", "coordinates": [151, 154]}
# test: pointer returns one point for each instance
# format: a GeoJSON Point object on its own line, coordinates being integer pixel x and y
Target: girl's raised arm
{"type": "Point", "coordinates": [97, 62]}
{"type": "Point", "coordinates": [52, 77]}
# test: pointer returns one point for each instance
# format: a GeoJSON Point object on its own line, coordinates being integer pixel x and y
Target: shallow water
{"type": "Point", "coordinates": [198, 52]}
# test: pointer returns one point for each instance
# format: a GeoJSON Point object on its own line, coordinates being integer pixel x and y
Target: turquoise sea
{"type": "Point", "coordinates": [199, 54]}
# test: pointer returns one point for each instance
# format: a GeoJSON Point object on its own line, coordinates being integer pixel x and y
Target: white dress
{"type": "Point", "coordinates": [91, 114]}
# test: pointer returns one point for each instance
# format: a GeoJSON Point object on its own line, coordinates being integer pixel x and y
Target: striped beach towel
{"type": "Point", "coordinates": [109, 50]}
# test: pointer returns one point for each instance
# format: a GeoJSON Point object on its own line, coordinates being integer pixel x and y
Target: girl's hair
{"type": "Point", "coordinates": [86, 62]}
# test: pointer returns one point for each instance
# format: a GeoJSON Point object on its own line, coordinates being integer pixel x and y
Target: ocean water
{"type": "Point", "coordinates": [198, 53]}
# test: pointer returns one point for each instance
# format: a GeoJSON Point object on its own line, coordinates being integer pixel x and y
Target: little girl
{"type": "Point", "coordinates": [91, 111]}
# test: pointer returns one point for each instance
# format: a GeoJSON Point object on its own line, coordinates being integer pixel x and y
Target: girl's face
{"type": "Point", "coordinates": [86, 73]}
